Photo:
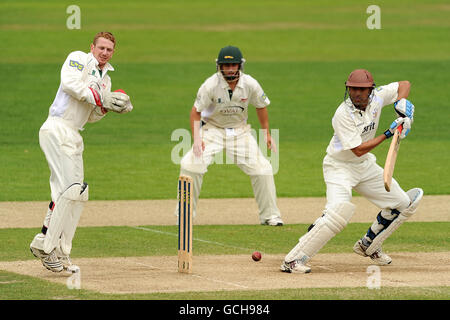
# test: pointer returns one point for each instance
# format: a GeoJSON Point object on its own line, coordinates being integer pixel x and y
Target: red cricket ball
{"type": "Point", "coordinates": [256, 256]}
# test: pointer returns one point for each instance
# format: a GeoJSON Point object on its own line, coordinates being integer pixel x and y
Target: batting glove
{"type": "Point", "coordinates": [406, 122]}
{"type": "Point", "coordinates": [406, 128]}
{"type": "Point", "coordinates": [404, 108]}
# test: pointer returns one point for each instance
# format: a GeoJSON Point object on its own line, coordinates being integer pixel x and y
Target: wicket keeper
{"type": "Point", "coordinates": [84, 95]}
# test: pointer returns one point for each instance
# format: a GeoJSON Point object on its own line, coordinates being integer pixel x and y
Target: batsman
{"type": "Point", "coordinates": [84, 95]}
{"type": "Point", "coordinates": [348, 165]}
{"type": "Point", "coordinates": [219, 122]}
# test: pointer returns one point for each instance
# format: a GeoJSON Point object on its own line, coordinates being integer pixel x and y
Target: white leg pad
{"type": "Point", "coordinates": [333, 221]}
{"type": "Point", "coordinates": [66, 213]}
{"type": "Point", "coordinates": [415, 195]}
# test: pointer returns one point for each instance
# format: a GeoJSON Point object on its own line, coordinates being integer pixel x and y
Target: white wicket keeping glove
{"type": "Point", "coordinates": [115, 101]}
{"type": "Point", "coordinates": [404, 108]}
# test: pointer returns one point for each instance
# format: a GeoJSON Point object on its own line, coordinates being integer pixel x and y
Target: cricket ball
{"type": "Point", "coordinates": [256, 256]}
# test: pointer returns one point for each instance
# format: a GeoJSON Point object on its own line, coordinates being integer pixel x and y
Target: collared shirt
{"type": "Point", "coordinates": [74, 101]}
{"type": "Point", "coordinates": [352, 127]}
{"type": "Point", "coordinates": [217, 108]}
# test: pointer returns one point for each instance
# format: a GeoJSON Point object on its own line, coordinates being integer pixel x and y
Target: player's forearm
{"type": "Point", "coordinates": [367, 146]}
{"type": "Point", "coordinates": [195, 123]}
{"type": "Point", "coordinates": [263, 118]}
{"type": "Point", "coordinates": [403, 89]}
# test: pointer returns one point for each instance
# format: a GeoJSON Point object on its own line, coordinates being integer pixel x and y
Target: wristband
{"type": "Point", "coordinates": [388, 134]}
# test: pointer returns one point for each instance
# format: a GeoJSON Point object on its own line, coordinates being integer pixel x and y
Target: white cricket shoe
{"type": "Point", "coordinates": [51, 262]}
{"type": "Point", "coordinates": [379, 257]}
{"type": "Point", "coordinates": [295, 266]}
{"type": "Point", "coordinates": [274, 222]}
{"type": "Point", "coordinates": [38, 253]}
{"type": "Point", "coordinates": [68, 265]}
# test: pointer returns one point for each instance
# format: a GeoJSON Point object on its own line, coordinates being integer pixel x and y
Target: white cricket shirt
{"type": "Point", "coordinates": [74, 101]}
{"type": "Point", "coordinates": [352, 127]}
{"type": "Point", "coordinates": [216, 107]}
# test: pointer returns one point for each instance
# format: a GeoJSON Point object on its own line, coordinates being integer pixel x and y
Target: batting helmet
{"type": "Point", "coordinates": [230, 54]}
{"type": "Point", "coordinates": [360, 78]}
{"type": "Point", "coordinates": [227, 55]}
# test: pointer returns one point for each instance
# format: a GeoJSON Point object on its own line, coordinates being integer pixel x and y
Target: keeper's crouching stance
{"type": "Point", "coordinates": [84, 95]}
{"type": "Point", "coordinates": [348, 166]}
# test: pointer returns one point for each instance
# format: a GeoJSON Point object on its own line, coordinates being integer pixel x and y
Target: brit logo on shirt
{"type": "Point", "coordinates": [368, 128]}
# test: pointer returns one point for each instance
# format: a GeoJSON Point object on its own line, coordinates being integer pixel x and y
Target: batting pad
{"type": "Point", "coordinates": [415, 195]}
{"type": "Point", "coordinates": [65, 217]}
{"type": "Point", "coordinates": [333, 221]}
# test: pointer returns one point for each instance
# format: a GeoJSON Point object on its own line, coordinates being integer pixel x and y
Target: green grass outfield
{"type": "Point", "coordinates": [300, 51]}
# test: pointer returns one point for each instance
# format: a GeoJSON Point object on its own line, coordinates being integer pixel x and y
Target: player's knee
{"type": "Point", "coordinates": [403, 202]}
{"type": "Point", "coordinates": [193, 164]}
{"type": "Point", "coordinates": [260, 169]}
{"type": "Point", "coordinates": [77, 192]}
{"type": "Point", "coordinates": [338, 215]}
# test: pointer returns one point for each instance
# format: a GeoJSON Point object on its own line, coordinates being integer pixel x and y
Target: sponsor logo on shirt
{"type": "Point", "coordinates": [368, 128]}
{"type": "Point", "coordinates": [76, 64]}
{"type": "Point", "coordinates": [232, 110]}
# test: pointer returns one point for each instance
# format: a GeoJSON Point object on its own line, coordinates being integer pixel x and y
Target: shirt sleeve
{"type": "Point", "coordinates": [72, 74]}
{"type": "Point", "coordinates": [388, 93]}
{"type": "Point", "coordinates": [258, 98]}
{"type": "Point", "coordinates": [203, 100]}
{"type": "Point", "coordinates": [346, 131]}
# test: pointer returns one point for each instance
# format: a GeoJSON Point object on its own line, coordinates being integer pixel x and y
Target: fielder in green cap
{"type": "Point", "coordinates": [219, 123]}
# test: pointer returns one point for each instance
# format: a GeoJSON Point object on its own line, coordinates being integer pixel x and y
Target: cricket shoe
{"type": "Point", "coordinates": [295, 266]}
{"type": "Point", "coordinates": [68, 265]}
{"type": "Point", "coordinates": [379, 257]}
{"type": "Point", "coordinates": [52, 263]}
{"type": "Point", "coordinates": [274, 222]}
{"type": "Point", "coordinates": [38, 253]}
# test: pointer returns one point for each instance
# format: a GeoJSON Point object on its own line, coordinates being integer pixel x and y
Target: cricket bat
{"type": "Point", "coordinates": [391, 158]}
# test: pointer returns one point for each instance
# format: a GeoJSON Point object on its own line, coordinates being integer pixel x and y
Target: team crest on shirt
{"type": "Point", "coordinates": [375, 112]}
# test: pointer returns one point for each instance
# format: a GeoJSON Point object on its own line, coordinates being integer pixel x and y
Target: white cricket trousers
{"type": "Point", "coordinates": [63, 147]}
{"type": "Point", "coordinates": [241, 149]}
{"type": "Point", "coordinates": [366, 178]}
